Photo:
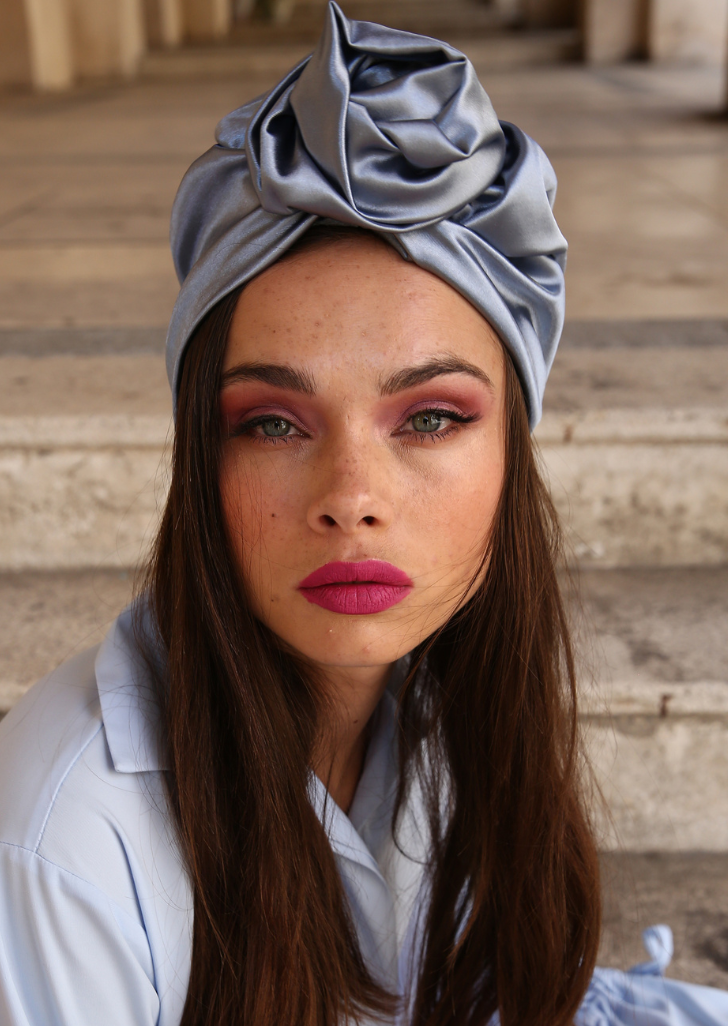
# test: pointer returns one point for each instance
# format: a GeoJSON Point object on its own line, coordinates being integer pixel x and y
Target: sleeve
{"type": "Point", "coordinates": [643, 997]}
{"type": "Point", "coordinates": [68, 955]}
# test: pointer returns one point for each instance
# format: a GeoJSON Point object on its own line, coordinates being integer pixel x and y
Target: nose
{"type": "Point", "coordinates": [351, 493]}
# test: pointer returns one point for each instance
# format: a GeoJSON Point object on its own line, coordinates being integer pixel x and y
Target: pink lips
{"type": "Point", "coordinates": [356, 588]}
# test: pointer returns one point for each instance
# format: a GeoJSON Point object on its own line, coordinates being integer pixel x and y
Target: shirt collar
{"type": "Point", "coordinates": [131, 716]}
{"type": "Point", "coordinates": [361, 835]}
{"type": "Point", "coordinates": [384, 879]}
{"type": "Point", "coordinates": [129, 705]}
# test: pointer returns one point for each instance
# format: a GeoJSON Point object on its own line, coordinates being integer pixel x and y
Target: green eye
{"type": "Point", "coordinates": [427, 420]}
{"type": "Point", "coordinates": [276, 427]}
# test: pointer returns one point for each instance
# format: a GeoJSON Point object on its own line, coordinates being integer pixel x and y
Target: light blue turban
{"type": "Point", "coordinates": [388, 131]}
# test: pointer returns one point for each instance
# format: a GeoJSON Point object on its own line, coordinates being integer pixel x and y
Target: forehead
{"type": "Point", "coordinates": [359, 299]}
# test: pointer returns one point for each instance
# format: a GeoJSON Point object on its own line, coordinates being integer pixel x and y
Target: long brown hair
{"type": "Point", "coordinates": [513, 923]}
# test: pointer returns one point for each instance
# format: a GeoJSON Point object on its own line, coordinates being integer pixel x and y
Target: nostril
{"type": "Point", "coordinates": [368, 520]}
{"type": "Point", "coordinates": [329, 521]}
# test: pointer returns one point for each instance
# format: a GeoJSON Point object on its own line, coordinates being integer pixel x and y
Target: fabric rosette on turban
{"type": "Point", "coordinates": [392, 132]}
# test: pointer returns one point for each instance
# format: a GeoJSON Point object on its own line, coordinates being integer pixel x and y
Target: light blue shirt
{"type": "Point", "coordinates": [95, 903]}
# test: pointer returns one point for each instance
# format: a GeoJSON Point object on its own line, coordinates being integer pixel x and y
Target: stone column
{"type": "Point", "coordinates": [688, 31]}
{"type": "Point", "coordinates": [163, 22]}
{"type": "Point", "coordinates": [242, 8]}
{"type": "Point", "coordinates": [280, 11]}
{"type": "Point", "coordinates": [35, 46]}
{"type": "Point", "coordinates": [107, 36]}
{"type": "Point", "coordinates": [542, 14]}
{"type": "Point", "coordinates": [206, 19]}
{"type": "Point", "coordinates": [614, 30]}
{"type": "Point", "coordinates": [510, 10]}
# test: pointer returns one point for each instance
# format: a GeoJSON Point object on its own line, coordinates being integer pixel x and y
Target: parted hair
{"type": "Point", "coordinates": [514, 917]}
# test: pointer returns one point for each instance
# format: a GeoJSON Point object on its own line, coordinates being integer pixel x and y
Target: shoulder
{"type": "Point", "coordinates": [59, 789]}
{"type": "Point", "coordinates": [41, 739]}
{"type": "Point", "coordinates": [87, 843]}
{"type": "Point", "coordinates": [67, 800]}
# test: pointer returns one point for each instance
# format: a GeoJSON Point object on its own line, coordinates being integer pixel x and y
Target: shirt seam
{"type": "Point", "coordinates": [54, 796]}
{"type": "Point", "coordinates": [67, 872]}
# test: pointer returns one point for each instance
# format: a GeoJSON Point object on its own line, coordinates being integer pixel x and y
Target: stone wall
{"type": "Point", "coordinates": [52, 44]}
{"type": "Point", "coordinates": [665, 31]}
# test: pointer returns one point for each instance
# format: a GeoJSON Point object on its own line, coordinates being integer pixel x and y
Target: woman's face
{"type": "Point", "coordinates": [363, 412]}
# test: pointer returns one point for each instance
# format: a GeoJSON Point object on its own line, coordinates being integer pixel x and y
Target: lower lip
{"type": "Point", "coordinates": [356, 597]}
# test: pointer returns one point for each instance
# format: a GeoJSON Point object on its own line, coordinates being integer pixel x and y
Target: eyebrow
{"type": "Point", "coordinates": [411, 376]}
{"type": "Point", "coordinates": [283, 376]}
{"type": "Point", "coordinates": [279, 375]}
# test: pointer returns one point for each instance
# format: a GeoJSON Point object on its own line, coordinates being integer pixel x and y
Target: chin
{"type": "Point", "coordinates": [344, 646]}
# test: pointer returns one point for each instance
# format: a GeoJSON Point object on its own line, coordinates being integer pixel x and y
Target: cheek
{"type": "Point", "coordinates": [241, 496]}
{"type": "Point", "coordinates": [257, 507]}
{"type": "Point", "coordinates": [454, 509]}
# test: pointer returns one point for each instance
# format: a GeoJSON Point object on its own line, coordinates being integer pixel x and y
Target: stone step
{"type": "Point", "coordinates": [646, 487]}
{"type": "Point", "coordinates": [428, 17]}
{"type": "Point", "coordinates": [269, 60]}
{"type": "Point", "coordinates": [653, 658]}
{"type": "Point", "coordinates": [668, 623]}
{"type": "Point", "coordinates": [653, 653]}
{"type": "Point", "coordinates": [634, 440]}
{"type": "Point", "coordinates": [686, 890]}
{"type": "Point", "coordinates": [45, 618]}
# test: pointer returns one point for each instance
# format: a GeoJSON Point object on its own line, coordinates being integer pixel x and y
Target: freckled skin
{"type": "Point", "coordinates": [356, 481]}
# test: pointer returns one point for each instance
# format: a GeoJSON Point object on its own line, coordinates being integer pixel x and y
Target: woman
{"type": "Point", "coordinates": [326, 767]}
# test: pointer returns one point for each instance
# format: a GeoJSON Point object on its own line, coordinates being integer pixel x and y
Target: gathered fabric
{"type": "Point", "coordinates": [644, 997]}
{"type": "Point", "coordinates": [392, 132]}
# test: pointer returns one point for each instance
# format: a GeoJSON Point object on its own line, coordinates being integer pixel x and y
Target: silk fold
{"type": "Point", "coordinates": [392, 132]}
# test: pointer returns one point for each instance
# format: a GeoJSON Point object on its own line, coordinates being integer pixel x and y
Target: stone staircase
{"type": "Point", "coordinates": [492, 37]}
{"type": "Point", "coordinates": [634, 436]}
{"type": "Point", "coordinates": [427, 17]}
{"type": "Point", "coordinates": [659, 632]}
{"type": "Point", "coordinates": [634, 440]}
{"type": "Point", "coordinates": [497, 51]}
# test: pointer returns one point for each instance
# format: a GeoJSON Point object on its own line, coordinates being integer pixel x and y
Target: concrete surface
{"type": "Point", "coordinates": [63, 386]}
{"type": "Point", "coordinates": [631, 491]}
{"type": "Point", "coordinates": [658, 628]}
{"type": "Point", "coordinates": [84, 447]}
{"type": "Point", "coordinates": [663, 782]}
{"type": "Point", "coordinates": [88, 495]}
{"type": "Point", "coordinates": [46, 618]}
{"type": "Point", "coordinates": [599, 365]}
{"type": "Point", "coordinates": [634, 440]}
{"type": "Point", "coordinates": [652, 625]}
{"type": "Point", "coordinates": [642, 167]}
{"type": "Point", "coordinates": [654, 700]}
{"type": "Point", "coordinates": [613, 30]}
{"type": "Point", "coordinates": [653, 657]}
{"type": "Point", "coordinates": [634, 433]}
{"type": "Point", "coordinates": [661, 628]}
{"type": "Point", "coordinates": [500, 52]}
{"type": "Point", "coordinates": [659, 622]}
{"type": "Point", "coordinates": [688, 891]}
{"type": "Point", "coordinates": [306, 18]}
{"type": "Point", "coordinates": [694, 33]}
{"type": "Point", "coordinates": [85, 490]}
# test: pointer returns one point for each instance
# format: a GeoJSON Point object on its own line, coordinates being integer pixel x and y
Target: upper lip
{"type": "Point", "coordinates": [369, 571]}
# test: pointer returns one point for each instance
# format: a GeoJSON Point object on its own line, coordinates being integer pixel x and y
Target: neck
{"type": "Point", "coordinates": [353, 695]}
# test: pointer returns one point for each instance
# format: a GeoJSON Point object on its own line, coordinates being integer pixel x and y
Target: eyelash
{"type": "Point", "coordinates": [458, 419]}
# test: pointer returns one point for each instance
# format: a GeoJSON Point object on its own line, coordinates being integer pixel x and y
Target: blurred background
{"type": "Point", "coordinates": [103, 105]}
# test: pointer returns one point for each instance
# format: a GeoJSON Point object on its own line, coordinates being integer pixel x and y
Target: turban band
{"type": "Point", "coordinates": [393, 132]}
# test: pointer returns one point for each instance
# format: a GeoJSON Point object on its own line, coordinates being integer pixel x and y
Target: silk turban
{"type": "Point", "coordinates": [392, 132]}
